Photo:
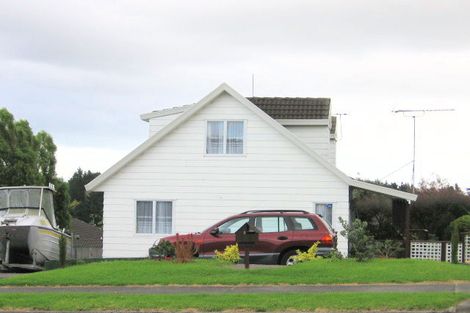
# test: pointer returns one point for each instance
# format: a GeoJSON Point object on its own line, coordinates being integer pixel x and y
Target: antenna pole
{"type": "Point", "coordinates": [414, 154]}
{"type": "Point", "coordinates": [414, 115]}
{"type": "Point", "coordinates": [252, 85]}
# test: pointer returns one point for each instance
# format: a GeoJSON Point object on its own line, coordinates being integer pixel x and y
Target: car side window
{"type": "Point", "coordinates": [271, 224]}
{"type": "Point", "coordinates": [303, 223]}
{"type": "Point", "coordinates": [230, 227]}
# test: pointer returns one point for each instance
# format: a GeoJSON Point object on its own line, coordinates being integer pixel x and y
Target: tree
{"type": "Point", "coordinates": [459, 226]}
{"type": "Point", "coordinates": [89, 206]}
{"type": "Point", "coordinates": [46, 161]}
{"type": "Point", "coordinates": [437, 206]}
{"type": "Point", "coordinates": [28, 159]}
{"type": "Point", "coordinates": [62, 203]}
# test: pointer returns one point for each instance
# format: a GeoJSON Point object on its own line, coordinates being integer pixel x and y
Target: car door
{"type": "Point", "coordinates": [224, 237]}
{"type": "Point", "coordinates": [274, 235]}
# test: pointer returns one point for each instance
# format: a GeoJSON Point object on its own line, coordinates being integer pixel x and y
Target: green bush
{"type": "Point", "coordinates": [62, 250]}
{"type": "Point", "coordinates": [458, 226]}
{"type": "Point", "coordinates": [388, 248]}
{"type": "Point", "coordinates": [309, 255]}
{"type": "Point", "coordinates": [361, 243]}
{"type": "Point", "coordinates": [231, 254]}
{"type": "Point", "coordinates": [164, 248]}
{"type": "Point", "coordinates": [334, 255]}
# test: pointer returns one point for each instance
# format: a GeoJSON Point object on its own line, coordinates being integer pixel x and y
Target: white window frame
{"type": "Point", "coordinates": [324, 217]}
{"type": "Point", "coordinates": [225, 154]}
{"type": "Point", "coordinates": [154, 215]}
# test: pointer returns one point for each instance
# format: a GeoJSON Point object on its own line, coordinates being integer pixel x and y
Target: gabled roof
{"type": "Point", "coordinates": [277, 107]}
{"type": "Point", "coordinates": [293, 108]}
{"type": "Point", "coordinates": [91, 236]}
{"type": "Point", "coordinates": [224, 88]}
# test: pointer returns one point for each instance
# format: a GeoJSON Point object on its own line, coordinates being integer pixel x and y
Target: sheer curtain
{"type": "Point", "coordinates": [325, 210]}
{"type": "Point", "coordinates": [144, 217]}
{"type": "Point", "coordinates": [215, 137]}
{"type": "Point", "coordinates": [234, 137]}
{"type": "Point", "coordinates": [163, 218]}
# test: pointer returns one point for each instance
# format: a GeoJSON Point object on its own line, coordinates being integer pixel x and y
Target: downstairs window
{"type": "Point", "coordinates": [154, 217]}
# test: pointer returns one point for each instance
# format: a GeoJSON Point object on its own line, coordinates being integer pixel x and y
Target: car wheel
{"type": "Point", "coordinates": [287, 258]}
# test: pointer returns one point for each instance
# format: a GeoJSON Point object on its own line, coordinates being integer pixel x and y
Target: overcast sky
{"type": "Point", "coordinates": [84, 70]}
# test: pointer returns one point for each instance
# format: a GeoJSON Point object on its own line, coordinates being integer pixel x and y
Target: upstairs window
{"type": "Point", "coordinates": [225, 137]}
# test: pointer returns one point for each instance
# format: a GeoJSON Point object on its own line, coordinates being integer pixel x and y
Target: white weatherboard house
{"type": "Point", "coordinates": [221, 156]}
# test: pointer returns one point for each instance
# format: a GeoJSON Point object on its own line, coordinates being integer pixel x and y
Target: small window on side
{"type": "Point", "coordinates": [326, 211]}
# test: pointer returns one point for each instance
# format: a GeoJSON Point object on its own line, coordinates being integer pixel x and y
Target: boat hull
{"type": "Point", "coordinates": [30, 246]}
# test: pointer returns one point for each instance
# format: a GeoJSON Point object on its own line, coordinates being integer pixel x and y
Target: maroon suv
{"type": "Point", "coordinates": [282, 232]}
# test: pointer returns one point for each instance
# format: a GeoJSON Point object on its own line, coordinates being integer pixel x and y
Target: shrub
{"type": "Point", "coordinates": [362, 245]}
{"type": "Point", "coordinates": [184, 248]}
{"type": "Point", "coordinates": [460, 225]}
{"type": "Point", "coordinates": [334, 255]}
{"type": "Point", "coordinates": [388, 248]}
{"type": "Point", "coordinates": [231, 254]}
{"type": "Point", "coordinates": [306, 256]}
{"type": "Point", "coordinates": [62, 250]}
{"type": "Point", "coordinates": [164, 248]}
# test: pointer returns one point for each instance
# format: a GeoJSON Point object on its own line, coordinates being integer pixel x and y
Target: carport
{"type": "Point", "coordinates": [401, 202]}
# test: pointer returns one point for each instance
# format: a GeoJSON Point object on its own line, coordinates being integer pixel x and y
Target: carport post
{"type": "Point", "coordinates": [401, 218]}
{"type": "Point", "coordinates": [407, 233]}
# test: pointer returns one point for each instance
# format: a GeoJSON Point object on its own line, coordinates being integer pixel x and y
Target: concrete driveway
{"type": "Point", "coordinates": [8, 274]}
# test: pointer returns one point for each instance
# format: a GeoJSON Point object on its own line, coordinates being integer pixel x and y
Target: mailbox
{"type": "Point", "coordinates": [246, 236]}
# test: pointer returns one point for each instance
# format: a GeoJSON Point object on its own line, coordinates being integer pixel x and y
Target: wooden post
{"type": "Point", "coordinates": [443, 251]}
{"type": "Point", "coordinates": [407, 232]}
{"type": "Point", "coordinates": [247, 258]}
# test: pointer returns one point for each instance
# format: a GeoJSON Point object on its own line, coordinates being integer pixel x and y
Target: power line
{"type": "Point", "coordinates": [398, 169]}
{"type": "Point", "coordinates": [413, 116]}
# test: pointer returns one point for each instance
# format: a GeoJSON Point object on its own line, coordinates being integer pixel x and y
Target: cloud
{"type": "Point", "coordinates": [85, 70]}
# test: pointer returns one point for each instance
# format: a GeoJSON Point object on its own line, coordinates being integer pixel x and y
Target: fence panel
{"type": "Point", "coordinates": [432, 250]}
{"type": "Point", "coordinates": [467, 248]}
{"type": "Point", "coordinates": [426, 250]}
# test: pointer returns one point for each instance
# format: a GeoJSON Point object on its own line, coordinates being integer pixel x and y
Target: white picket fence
{"type": "Point", "coordinates": [432, 250]}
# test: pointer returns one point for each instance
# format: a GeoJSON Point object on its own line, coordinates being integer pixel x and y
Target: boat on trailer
{"type": "Point", "coordinates": [29, 235]}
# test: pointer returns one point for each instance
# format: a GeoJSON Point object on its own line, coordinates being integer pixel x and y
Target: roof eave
{"type": "Point", "coordinates": [165, 112]}
{"type": "Point", "coordinates": [303, 122]}
{"type": "Point", "coordinates": [384, 190]}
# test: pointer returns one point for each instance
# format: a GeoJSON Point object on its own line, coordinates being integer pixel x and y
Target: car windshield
{"type": "Point", "coordinates": [232, 226]}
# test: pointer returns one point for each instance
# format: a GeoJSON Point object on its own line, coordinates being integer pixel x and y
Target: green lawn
{"type": "Point", "coordinates": [251, 302]}
{"type": "Point", "coordinates": [210, 272]}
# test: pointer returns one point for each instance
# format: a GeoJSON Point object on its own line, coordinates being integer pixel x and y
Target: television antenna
{"type": "Point", "coordinates": [339, 123]}
{"type": "Point", "coordinates": [413, 114]}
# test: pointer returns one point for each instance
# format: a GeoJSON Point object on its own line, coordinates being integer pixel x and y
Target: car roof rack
{"type": "Point", "coordinates": [275, 211]}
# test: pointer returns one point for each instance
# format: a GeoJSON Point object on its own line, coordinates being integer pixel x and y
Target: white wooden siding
{"type": "Point", "coordinates": [273, 174]}
{"type": "Point", "coordinates": [315, 136]}
{"type": "Point", "coordinates": [332, 154]}
{"type": "Point", "coordinates": [157, 123]}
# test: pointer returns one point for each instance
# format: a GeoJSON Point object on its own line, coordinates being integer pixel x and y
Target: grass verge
{"type": "Point", "coordinates": [211, 272]}
{"type": "Point", "coordinates": [251, 302]}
